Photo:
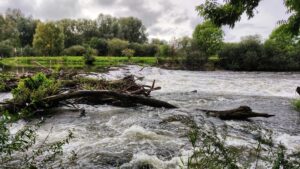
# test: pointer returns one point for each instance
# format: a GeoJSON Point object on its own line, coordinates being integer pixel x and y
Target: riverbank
{"type": "Point", "coordinates": [74, 61]}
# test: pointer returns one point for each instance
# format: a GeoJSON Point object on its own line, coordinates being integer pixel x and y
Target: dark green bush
{"type": "Point", "coordinates": [76, 50]}
{"type": "Point", "coordinates": [100, 45]}
{"type": "Point", "coordinates": [89, 59]}
{"type": "Point", "coordinates": [6, 50]}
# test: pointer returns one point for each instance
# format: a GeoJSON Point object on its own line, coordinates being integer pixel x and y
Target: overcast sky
{"type": "Point", "coordinates": [164, 19]}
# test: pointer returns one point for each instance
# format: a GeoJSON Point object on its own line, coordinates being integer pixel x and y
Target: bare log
{"type": "Point", "coordinates": [241, 113]}
{"type": "Point", "coordinates": [108, 94]}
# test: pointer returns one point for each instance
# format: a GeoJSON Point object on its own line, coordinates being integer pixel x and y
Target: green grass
{"type": "Point", "coordinates": [296, 104]}
{"type": "Point", "coordinates": [74, 61]}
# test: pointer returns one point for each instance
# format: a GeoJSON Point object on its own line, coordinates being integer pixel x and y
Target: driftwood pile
{"type": "Point", "coordinates": [76, 89]}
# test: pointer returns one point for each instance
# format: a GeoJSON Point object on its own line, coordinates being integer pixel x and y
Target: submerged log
{"type": "Point", "coordinates": [100, 94]}
{"type": "Point", "coordinates": [298, 90]}
{"type": "Point", "coordinates": [241, 113]}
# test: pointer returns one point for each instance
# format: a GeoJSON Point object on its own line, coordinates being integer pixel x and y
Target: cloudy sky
{"type": "Point", "coordinates": [164, 19]}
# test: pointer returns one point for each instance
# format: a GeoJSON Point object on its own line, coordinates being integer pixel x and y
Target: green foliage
{"type": "Point", "coordinates": [31, 90]}
{"type": "Point", "coordinates": [100, 45]}
{"type": "Point", "coordinates": [128, 52]}
{"type": "Point", "coordinates": [89, 59]}
{"type": "Point", "coordinates": [116, 46]}
{"type": "Point", "coordinates": [20, 150]}
{"type": "Point", "coordinates": [6, 50]}
{"type": "Point", "coordinates": [76, 50]}
{"type": "Point", "coordinates": [144, 49]}
{"type": "Point", "coordinates": [296, 104]}
{"type": "Point", "coordinates": [48, 39]}
{"type": "Point", "coordinates": [208, 37]}
{"type": "Point", "coordinates": [211, 152]}
{"type": "Point", "coordinates": [132, 30]}
{"type": "Point", "coordinates": [245, 55]}
{"type": "Point", "coordinates": [229, 12]}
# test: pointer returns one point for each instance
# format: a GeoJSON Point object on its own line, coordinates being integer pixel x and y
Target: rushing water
{"type": "Point", "coordinates": [111, 137]}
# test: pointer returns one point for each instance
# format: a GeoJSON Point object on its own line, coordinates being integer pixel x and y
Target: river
{"type": "Point", "coordinates": [110, 137]}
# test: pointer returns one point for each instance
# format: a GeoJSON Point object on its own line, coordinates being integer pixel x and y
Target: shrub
{"type": "Point", "coordinates": [89, 59]}
{"type": "Point", "coordinates": [100, 45]}
{"type": "Point", "coordinates": [6, 50]}
{"type": "Point", "coordinates": [128, 52]}
{"type": "Point", "coordinates": [76, 50]}
{"type": "Point", "coordinates": [31, 90]}
{"type": "Point", "coordinates": [116, 46]}
{"type": "Point", "coordinates": [29, 51]}
{"type": "Point", "coordinates": [246, 55]}
{"type": "Point", "coordinates": [20, 150]}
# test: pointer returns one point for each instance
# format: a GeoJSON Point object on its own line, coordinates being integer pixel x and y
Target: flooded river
{"type": "Point", "coordinates": [110, 137]}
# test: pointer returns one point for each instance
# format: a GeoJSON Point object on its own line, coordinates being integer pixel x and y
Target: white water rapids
{"type": "Point", "coordinates": [110, 137]}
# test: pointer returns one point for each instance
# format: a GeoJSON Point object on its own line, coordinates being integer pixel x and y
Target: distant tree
{"type": "Point", "coordinates": [208, 37]}
{"type": "Point", "coordinates": [72, 35]}
{"type": "Point", "coordinates": [116, 46]}
{"type": "Point", "coordinates": [24, 25]}
{"type": "Point", "coordinates": [283, 38]}
{"type": "Point", "coordinates": [132, 30]}
{"type": "Point", "coordinates": [9, 34]}
{"type": "Point", "coordinates": [108, 26]}
{"type": "Point", "coordinates": [48, 39]}
{"type": "Point", "coordinates": [230, 12]}
{"type": "Point", "coordinates": [100, 45]}
{"type": "Point", "coordinates": [246, 55]}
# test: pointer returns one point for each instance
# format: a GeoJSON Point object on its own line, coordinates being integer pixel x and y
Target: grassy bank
{"type": "Point", "coordinates": [74, 61]}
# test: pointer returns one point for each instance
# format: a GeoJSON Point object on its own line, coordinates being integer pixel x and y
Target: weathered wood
{"type": "Point", "coordinates": [241, 113]}
{"type": "Point", "coordinates": [298, 90]}
{"type": "Point", "coordinates": [108, 94]}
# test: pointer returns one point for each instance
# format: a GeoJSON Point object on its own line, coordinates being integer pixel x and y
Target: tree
{"type": "Point", "coordinates": [48, 39]}
{"type": "Point", "coordinates": [25, 26]}
{"type": "Point", "coordinates": [71, 32]}
{"type": "Point", "coordinates": [231, 11]}
{"type": "Point", "coordinates": [108, 26]}
{"type": "Point", "coordinates": [132, 30]}
{"type": "Point", "coordinates": [208, 38]}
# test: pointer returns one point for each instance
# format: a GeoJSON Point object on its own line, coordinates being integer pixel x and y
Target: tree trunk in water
{"type": "Point", "coordinates": [102, 94]}
{"type": "Point", "coordinates": [241, 113]}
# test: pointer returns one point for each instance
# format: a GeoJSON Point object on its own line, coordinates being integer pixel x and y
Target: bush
{"type": "Point", "coordinates": [6, 50]}
{"type": "Point", "coordinates": [29, 51]}
{"type": "Point", "coordinates": [89, 59]}
{"type": "Point", "coordinates": [116, 46]}
{"type": "Point", "coordinates": [31, 90]}
{"type": "Point", "coordinates": [246, 55]}
{"type": "Point", "coordinates": [144, 49]}
{"type": "Point", "coordinates": [100, 45]}
{"type": "Point", "coordinates": [128, 52]}
{"type": "Point", "coordinates": [76, 50]}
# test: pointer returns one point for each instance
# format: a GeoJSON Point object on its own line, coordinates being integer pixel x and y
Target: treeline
{"type": "Point", "coordinates": [109, 36]}
{"type": "Point", "coordinates": [21, 35]}
{"type": "Point", "coordinates": [206, 49]}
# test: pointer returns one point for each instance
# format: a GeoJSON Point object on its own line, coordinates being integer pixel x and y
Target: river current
{"type": "Point", "coordinates": [111, 137]}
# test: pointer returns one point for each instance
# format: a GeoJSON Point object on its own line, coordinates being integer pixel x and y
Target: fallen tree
{"type": "Point", "coordinates": [38, 92]}
{"type": "Point", "coordinates": [241, 113]}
